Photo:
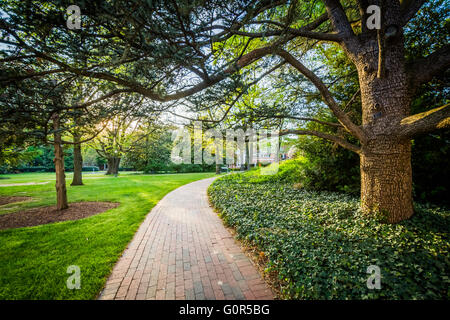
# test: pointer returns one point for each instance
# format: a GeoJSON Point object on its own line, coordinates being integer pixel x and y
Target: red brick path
{"type": "Point", "coordinates": [183, 251]}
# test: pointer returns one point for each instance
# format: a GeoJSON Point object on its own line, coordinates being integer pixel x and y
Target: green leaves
{"type": "Point", "coordinates": [320, 245]}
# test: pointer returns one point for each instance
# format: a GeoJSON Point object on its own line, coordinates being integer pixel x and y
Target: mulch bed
{"type": "Point", "coordinates": [44, 215]}
{"type": "Point", "coordinates": [6, 200]}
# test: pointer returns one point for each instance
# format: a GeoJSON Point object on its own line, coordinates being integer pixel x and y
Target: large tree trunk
{"type": "Point", "coordinates": [61, 192]}
{"type": "Point", "coordinates": [386, 180]}
{"type": "Point", "coordinates": [77, 161]}
{"type": "Point", "coordinates": [113, 165]}
{"type": "Point", "coordinates": [386, 177]}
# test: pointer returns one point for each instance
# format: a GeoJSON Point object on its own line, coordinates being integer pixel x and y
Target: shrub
{"type": "Point", "coordinates": [36, 169]}
{"type": "Point", "coordinates": [90, 168]}
{"type": "Point", "coordinates": [287, 171]}
{"type": "Point", "coordinates": [327, 167]}
{"type": "Point", "coordinates": [319, 244]}
{"type": "Point", "coordinates": [160, 167]}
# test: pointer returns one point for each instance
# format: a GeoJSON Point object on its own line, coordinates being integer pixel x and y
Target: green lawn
{"type": "Point", "coordinates": [34, 260]}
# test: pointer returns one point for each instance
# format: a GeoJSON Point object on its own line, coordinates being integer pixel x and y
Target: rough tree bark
{"type": "Point", "coordinates": [386, 176]}
{"type": "Point", "coordinates": [61, 192]}
{"type": "Point", "coordinates": [385, 157]}
{"type": "Point", "coordinates": [77, 161]}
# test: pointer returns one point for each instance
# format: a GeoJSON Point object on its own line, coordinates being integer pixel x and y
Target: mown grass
{"type": "Point", "coordinates": [319, 245]}
{"type": "Point", "coordinates": [34, 260]}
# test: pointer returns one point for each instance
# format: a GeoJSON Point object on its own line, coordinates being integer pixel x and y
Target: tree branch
{"type": "Point", "coordinates": [437, 118]}
{"type": "Point", "coordinates": [409, 9]}
{"type": "Point", "coordinates": [424, 69]}
{"type": "Point", "coordinates": [325, 123]}
{"type": "Point", "coordinates": [20, 77]}
{"type": "Point", "coordinates": [342, 142]}
{"type": "Point", "coordinates": [326, 95]}
{"type": "Point", "coordinates": [244, 61]}
{"type": "Point", "coordinates": [82, 141]}
{"type": "Point", "coordinates": [297, 32]}
{"type": "Point", "coordinates": [342, 26]}
{"type": "Point", "coordinates": [103, 97]}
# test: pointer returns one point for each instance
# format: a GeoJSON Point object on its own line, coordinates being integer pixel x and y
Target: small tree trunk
{"type": "Point", "coordinates": [77, 161]}
{"type": "Point", "coordinates": [61, 192]}
{"type": "Point", "coordinates": [247, 155]}
{"type": "Point", "coordinates": [218, 168]}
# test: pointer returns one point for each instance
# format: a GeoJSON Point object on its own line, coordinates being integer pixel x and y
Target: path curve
{"type": "Point", "coordinates": [183, 251]}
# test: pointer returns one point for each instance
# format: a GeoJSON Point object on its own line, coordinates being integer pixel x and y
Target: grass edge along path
{"type": "Point", "coordinates": [34, 261]}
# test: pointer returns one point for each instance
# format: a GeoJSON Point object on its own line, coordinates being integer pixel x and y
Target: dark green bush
{"type": "Point", "coordinates": [162, 167]}
{"type": "Point", "coordinates": [320, 245]}
{"type": "Point", "coordinates": [328, 167]}
{"type": "Point", "coordinates": [90, 168]}
{"type": "Point", "coordinates": [155, 166]}
{"type": "Point", "coordinates": [287, 171]}
{"type": "Point", "coordinates": [431, 168]}
{"type": "Point", "coordinates": [36, 169]}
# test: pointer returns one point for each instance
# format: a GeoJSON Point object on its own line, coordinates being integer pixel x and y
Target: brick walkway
{"type": "Point", "coordinates": [183, 251]}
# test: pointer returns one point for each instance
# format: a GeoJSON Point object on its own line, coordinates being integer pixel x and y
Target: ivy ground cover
{"type": "Point", "coordinates": [319, 245]}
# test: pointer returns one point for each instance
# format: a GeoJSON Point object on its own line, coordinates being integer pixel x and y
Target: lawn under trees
{"type": "Point", "coordinates": [34, 260]}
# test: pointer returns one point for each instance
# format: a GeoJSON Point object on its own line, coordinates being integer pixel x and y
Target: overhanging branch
{"type": "Point", "coordinates": [437, 118]}
{"type": "Point", "coordinates": [340, 141]}
{"type": "Point", "coordinates": [424, 69]}
{"type": "Point", "coordinates": [409, 9]}
{"type": "Point", "coordinates": [326, 95]}
{"type": "Point", "coordinates": [342, 25]}
{"type": "Point", "coordinates": [242, 62]}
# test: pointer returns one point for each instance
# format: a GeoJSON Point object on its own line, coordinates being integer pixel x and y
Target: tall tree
{"type": "Point", "coordinates": [167, 51]}
{"type": "Point", "coordinates": [39, 111]}
{"type": "Point", "coordinates": [123, 131]}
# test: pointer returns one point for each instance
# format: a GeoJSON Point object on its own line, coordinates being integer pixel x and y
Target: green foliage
{"type": "Point", "coordinates": [287, 171]}
{"type": "Point", "coordinates": [151, 154]}
{"type": "Point", "coordinates": [328, 167]}
{"type": "Point", "coordinates": [40, 159]}
{"type": "Point", "coordinates": [319, 244]}
{"type": "Point", "coordinates": [169, 167]}
{"type": "Point", "coordinates": [90, 168]}
{"type": "Point", "coordinates": [428, 31]}
{"type": "Point", "coordinates": [431, 168]}
{"type": "Point", "coordinates": [12, 157]}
